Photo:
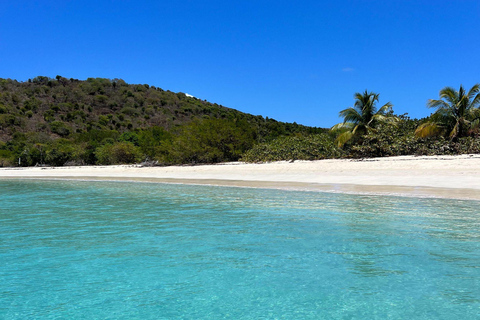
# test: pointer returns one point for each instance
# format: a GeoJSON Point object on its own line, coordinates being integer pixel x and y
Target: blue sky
{"type": "Point", "coordinates": [292, 61]}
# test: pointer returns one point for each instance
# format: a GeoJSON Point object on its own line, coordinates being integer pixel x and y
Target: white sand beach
{"type": "Point", "coordinates": [456, 177]}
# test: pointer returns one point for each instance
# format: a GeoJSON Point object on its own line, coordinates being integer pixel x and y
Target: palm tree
{"type": "Point", "coordinates": [457, 113]}
{"type": "Point", "coordinates": [363, 117]}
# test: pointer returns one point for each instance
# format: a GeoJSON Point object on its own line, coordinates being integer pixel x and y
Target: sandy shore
{"type": "Point", "coordinates": [455, 177]}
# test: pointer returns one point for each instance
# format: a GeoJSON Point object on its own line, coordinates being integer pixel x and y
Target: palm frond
{"type": "Point", "coordinates": [433, 103]}
{"type": "Point", "coordinates": [344, 138]}
{"type": "Point", "coordinates": [360, 96]}
{"type": "Point", "coordinates": [371, 130]}
{"type": "Point", "coordinates": [475, 124]}
{"type": "Point", "coordinates": [350, 115]}
{"type": "Point", "coordinates": [365, 103]}
{"type": "Point", "coordinates": [474, 127]}
{"type": "Point", "coordinates": [385, 108]}
{"type": "Point", "coordinates": [476, 101]}
{"type": "Point", "coordinates": [360, 102]}
{"type": "Point", "coordinates": [474, 113]}
{"type": "Point", "coordinates": [450, 95]}
{"type": "Point", "coordinates": [462, 106]}
{"type": "Point", "coordinates": [428, 129]}
{"type": "Point", "coordinates": [455, 131]}
{"type": "Point", "coordinates": [473, 92]}
{"type": "Point", "coordinates": [443, 113]}
{"type": "Point", "coordinates": [381, 118]}
{"type": "Point", "coordinates": [359, 129]}
{"type": "Point", "coordinates": [343, 126]}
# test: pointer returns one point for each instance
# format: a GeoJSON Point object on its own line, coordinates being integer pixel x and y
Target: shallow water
{"type": "Point", "coordinates": [109, 250]}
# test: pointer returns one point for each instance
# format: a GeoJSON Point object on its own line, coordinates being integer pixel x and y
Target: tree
{"type": "Point", "coordinates": [118, 153]}
{"type": "Point", "coordinates": [363, 117]}
{"type": "Point", "coordinates": [457, 113]}
{"type": "Point", "coordinates": [212, 141]}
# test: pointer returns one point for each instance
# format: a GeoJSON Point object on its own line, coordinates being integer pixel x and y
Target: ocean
{"type": "Point", "coordinates": [124, 250]}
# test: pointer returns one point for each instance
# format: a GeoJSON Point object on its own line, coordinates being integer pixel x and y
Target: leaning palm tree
{"type": "Point", "coordinates": [363, 117]}
{"type": "Point", "coordinates": [457, 113]}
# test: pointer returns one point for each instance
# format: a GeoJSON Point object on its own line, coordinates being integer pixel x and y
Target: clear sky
{"type": "Point", "coordinates": [292, 61]}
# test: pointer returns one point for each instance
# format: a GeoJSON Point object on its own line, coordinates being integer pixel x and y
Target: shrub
{"type": "Point", "coordinates": [118, 153]}
{"type": "Point", "coordinates": [300, 147]}
{"type": "Point", "coordinates": [60, 128]}
{"type": "Point", "coordinates": [7, 158]}
{"type": "Point", "coordinates": [3, 109]}
{"type": "Point", "coordinates": [154, 141]}
{"type": "Point", "coordinates": [211, 141]}
{"type": "Point", "coordinates": [103, 120]}
{"type": "Point", "coordinates": [58, 153]}
{"type": "Point", "coordinates": [400, 140]}
{"type": "Point", "coordinates": [129, 111]}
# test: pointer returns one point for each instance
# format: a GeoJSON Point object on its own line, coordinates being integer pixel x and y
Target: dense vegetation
{"type": "Point", "coordinates": [299, 147]}
{"type": "Point", "coordinates": [457, 114]}
{"type": "Point", "coordinates": [452, 129]}
{"type": "Point", "coordinates": [363, 118]}
{"type": "Point", "coordinates": [63, 121]}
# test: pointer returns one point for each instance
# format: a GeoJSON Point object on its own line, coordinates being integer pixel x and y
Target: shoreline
{"type": "Point", "coordinates": [450, 177]}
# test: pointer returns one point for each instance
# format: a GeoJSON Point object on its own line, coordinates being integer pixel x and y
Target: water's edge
{"type": "Point", "coordinates": [387, 190]}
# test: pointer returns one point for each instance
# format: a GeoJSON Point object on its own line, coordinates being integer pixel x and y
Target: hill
{"type": "Point", "coordinates": [69, 121]}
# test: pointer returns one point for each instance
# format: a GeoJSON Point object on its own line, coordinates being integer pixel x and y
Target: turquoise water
{"type": "Point", "coordinates": [106, 250]}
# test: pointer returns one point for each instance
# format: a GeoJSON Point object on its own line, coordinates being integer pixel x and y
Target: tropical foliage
{"type": "Point", "coordinates": [211, 141]}
{"type": "Point", "coordinates": [363, 117]}
{"type": "Point", "coordinates": [63, 121]}
{"type": "Point", "coordinates": [401, 140]}
{"type": "Point", "coordinates": [457, 114]}
{"type": "Point", "coordinates": [299, 147]}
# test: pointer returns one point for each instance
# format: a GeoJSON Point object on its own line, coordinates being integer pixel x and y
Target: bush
{"type": "Point", "coordinates": [118, 153]}
{"type": "Point", "coordinates": [397, 141]}
{"type": "Point", "coordinates": [154, 142]}
{"type": "Point", "coordinates": [300, 147]}
{"type": "Point", "coordinates": [7, 158]}
{"type": "Point", "coordinates": [60, 128]}
{"type": "Point", "coordinates": [57, 154]}
{"type": "Point", "coordinates": [211, 141]}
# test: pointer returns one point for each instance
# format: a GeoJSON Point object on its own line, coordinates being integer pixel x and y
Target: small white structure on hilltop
{"type": "Point", "coordinates": [189, 95]}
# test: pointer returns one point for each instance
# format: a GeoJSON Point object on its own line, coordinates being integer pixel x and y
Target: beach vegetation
{"type": "Point", "coordinates": [6, 158]}
{"type": "Point", "coordinates": [401, 140]}
{"type": "Point", "coordinates": [211, 141]}
{"type": "Point", "coordinates": [363, 118]}
{"type": "Point", "coordinates": [59, 121]}
{"type": "Point", "coordinates": [123, 152]}
{"type": "Point", "coordinates": [297, 147]}
{"type": "Point", "coordinates": [456, 115]}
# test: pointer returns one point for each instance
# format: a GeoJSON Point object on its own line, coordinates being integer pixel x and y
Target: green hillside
{"type": "Point", "coordinates": [102, 121]}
